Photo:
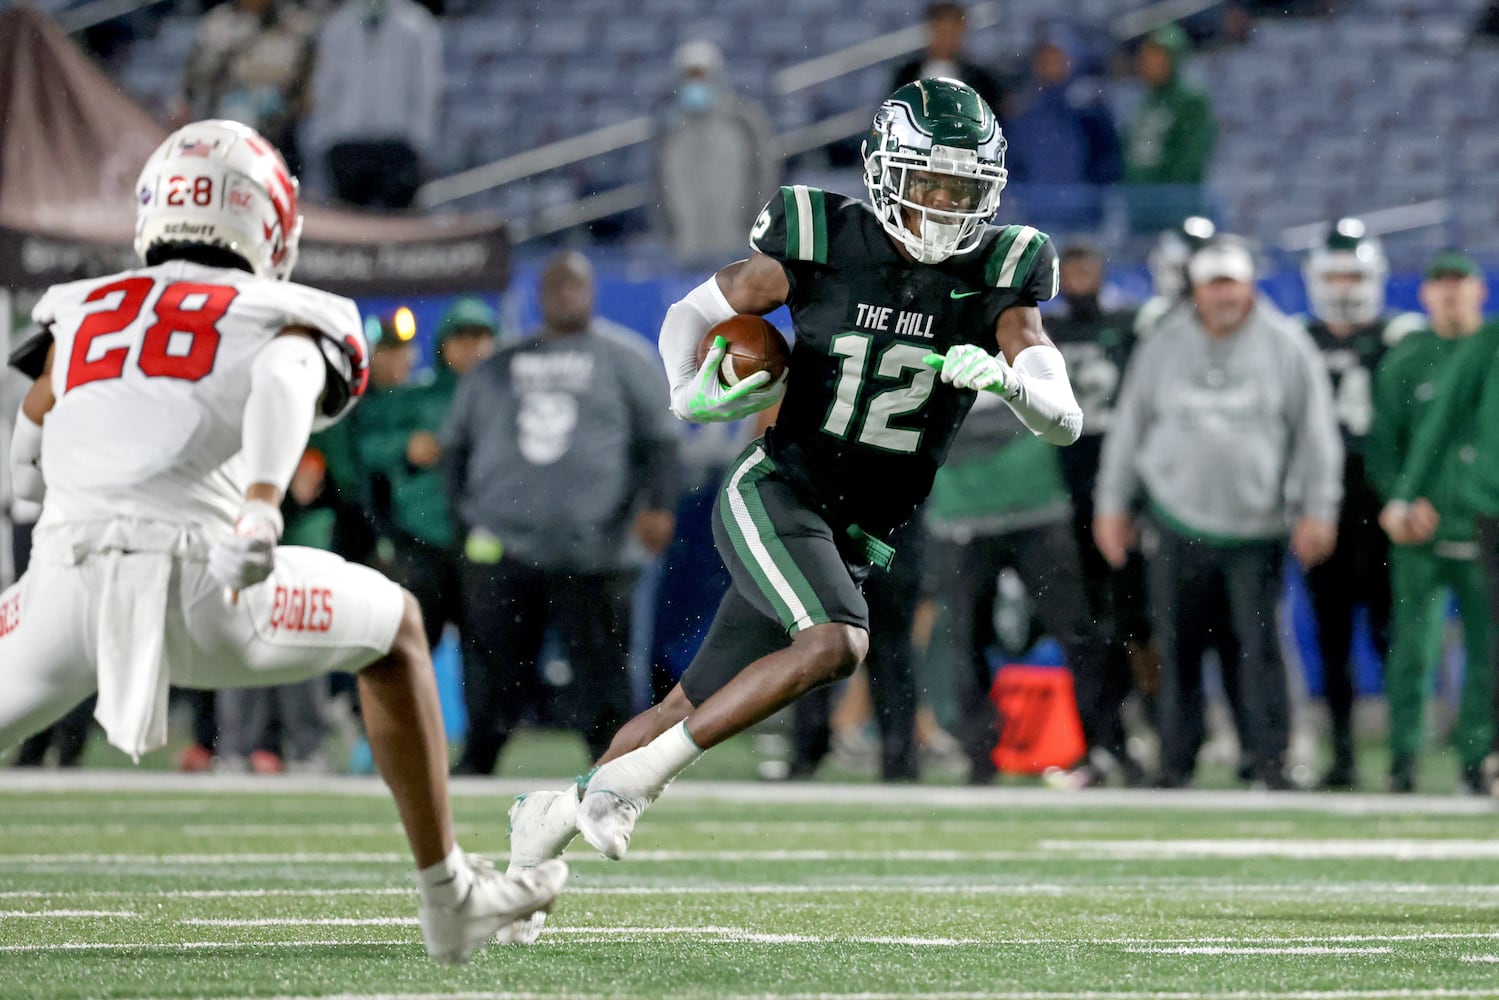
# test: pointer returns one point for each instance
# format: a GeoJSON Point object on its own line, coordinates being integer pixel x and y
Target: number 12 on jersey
{"type": "Point", "coordinates": [879, 406]}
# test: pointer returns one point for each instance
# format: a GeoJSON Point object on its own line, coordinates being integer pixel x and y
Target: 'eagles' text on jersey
{"type": "Point", "coordinates": [865, 423]}
{"type": "Point", "coordinates": [151, 370]}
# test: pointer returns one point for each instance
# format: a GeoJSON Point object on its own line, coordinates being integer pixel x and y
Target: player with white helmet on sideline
{"type": "Point", "coordinates": [170, 408]}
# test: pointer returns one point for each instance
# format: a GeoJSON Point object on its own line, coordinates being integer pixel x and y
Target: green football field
{"type": "Point", "coordinates": [131, 884]}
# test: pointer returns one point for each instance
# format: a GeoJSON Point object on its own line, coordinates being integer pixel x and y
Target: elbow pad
{"type": "Point", "coordinates": [1043, 398]}
{"type": "Point", "coordinates": [286, 380]}
{"type": "Point", "coordinates": [26, 460]}
{"type": "Point", "coordinates": [699, 311]}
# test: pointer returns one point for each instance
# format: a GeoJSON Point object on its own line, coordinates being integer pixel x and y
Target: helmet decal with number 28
{"type": "Point", "coordinates": [1345, 276]}
{"type": "Point", "coordinates": [935, 155]}
{"type": "Point", "coordinates": [220, 184]}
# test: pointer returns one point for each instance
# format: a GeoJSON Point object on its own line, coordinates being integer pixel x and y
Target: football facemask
{"type": "Point", "coordinates": [1345, 277]}
{"type": "Point", "coordinates": [220, 184]}
{"type": "Point", "coordinates": [934, 167]}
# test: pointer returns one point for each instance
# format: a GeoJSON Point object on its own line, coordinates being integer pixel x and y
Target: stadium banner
{"type": "Point", "coordinates": [471, 259]}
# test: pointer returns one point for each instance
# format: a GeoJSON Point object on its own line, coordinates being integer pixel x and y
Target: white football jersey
{"type": "Point", "coordinates": [151, 370]}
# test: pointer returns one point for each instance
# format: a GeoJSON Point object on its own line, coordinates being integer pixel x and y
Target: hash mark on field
{"type": "Point", "coordinates": [1486, 959]}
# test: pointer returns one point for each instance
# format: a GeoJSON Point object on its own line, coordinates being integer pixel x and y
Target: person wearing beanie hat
{"type": "Point", "coordinates": [1429, 518]}
{"type": "Point", "coordinates": [394, 440]}
{"type": "Point", "coordinates": [1166, 156]}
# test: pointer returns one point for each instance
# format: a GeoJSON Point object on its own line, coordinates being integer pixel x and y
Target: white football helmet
{"type": "Point", "coordinates": [929, 128]}
{"type": "Point", "coordinates": [220, 184]}
{"type": "Point", "coordinates": [1345, 277]}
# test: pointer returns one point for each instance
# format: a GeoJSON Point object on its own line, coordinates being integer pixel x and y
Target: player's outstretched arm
{"type": "Point", "coordinates": [287, 378]}
{"type": "Point", "coordinates": [1028, 373]}
{"type": "Point", "coordinates": [756, 285]}
{"type": "Point", "coordinates": [26, 439]}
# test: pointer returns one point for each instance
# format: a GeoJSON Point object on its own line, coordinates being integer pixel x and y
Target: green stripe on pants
{"type": "Point", "coordinates": [755, 542]}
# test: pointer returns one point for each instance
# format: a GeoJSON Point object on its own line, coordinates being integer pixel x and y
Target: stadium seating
{"type": "Point", "coordinates": [1353, 113]}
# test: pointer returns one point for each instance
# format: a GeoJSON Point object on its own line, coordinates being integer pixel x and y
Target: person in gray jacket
{"type": "Point", "coordinates": [1225, 435]}
{"type": "Point", "coordinates": [560, 451]}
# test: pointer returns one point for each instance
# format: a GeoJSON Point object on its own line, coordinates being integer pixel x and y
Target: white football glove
{"type": "Point", "coordinates": [248, 556]}
{"type": "Point", "coordinates": [705, 399]}
{"type": "Point", "coordinates": [970, 367]}
{"type": "Point", "coordinates": [26, 460]}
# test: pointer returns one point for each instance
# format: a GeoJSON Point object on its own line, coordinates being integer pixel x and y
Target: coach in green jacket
{"type": "Point", "coordinates": [1463, 422]}
{"type": "Point", "coordinates": [1415, 427]}
{"type": "Point", "coordinates": [1166, 157]}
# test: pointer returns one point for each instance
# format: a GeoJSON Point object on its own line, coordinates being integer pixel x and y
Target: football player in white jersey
{"type": "Point", "coordinates": [170, 408]}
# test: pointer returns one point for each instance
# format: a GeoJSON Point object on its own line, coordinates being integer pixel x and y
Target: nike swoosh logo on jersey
{"type": "Point", "coordinates": [961, 295]}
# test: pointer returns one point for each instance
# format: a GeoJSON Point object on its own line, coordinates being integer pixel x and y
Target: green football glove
{"type": "Point", "coordinates": [970, 367]}
{"type": "Point", "coordinates": [705, 399]}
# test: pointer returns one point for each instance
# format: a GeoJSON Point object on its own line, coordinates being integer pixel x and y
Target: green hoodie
{"type": "Point", "coordinates": [382, 425]}
{"type": "Point", "coordinates": [1174, 130]}
{"type": "Point", "coordinates": [1463, 418]}
{"type": "Point", "coordinates": [1407, 390]}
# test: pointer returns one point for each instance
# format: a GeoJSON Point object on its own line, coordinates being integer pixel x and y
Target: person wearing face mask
{"type": "Point", "coordinates": [717, 160]}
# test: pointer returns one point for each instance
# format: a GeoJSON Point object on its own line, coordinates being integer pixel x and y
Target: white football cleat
{"type": "Point", "coordinates": [542, 824]}
{"type": "Point", "coordinates": [618, 792]}
{"type": "Point", "coordinates": [494, 903]}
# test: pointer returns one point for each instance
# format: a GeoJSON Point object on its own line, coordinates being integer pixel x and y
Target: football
{"type": "Point", "coordinates": [754, 345]}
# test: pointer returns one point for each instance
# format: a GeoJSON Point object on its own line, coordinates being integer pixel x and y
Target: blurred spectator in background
{"type": "Point", "coordinates": [558, 450]}
{"type": "Point", "coordinates": [1430, 553]}
{"type": "Point", "coordinates": [1166, 158]}
{"type": "Point", "coordinates": [1345, 284]}
{"type": "Point", "coordinates": [1167, 261]}
{"type": "Point", "coordinates": [1225, 429]}
{"type": "Point", "coordinates": [1097, 343]}
{"type": "Point", "coordinates": [1463, 417]}
{"type": "Point", "coordinates": [1063, 146]}
{"type": "Point", "coordinates": [267, 730]}
{"type": "Point", "coordinates": [252, 62]}
{"type": "Point", "coordinates": [892, 596]}
{"type": "Point", "coordinates": [394, 436]}
{"type": "Point", "coordinates": [944, 56]}
{"type": "Point", "coordinates": [717, 160]}
{"type": "Point", "coordinates": [1000, 503]}
{"type": "Point", "coordinates": [376, 100]}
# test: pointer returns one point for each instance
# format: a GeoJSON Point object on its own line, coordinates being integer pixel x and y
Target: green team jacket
{"type": "Point", "coordinates": [378, 431]}
{"type": "Point", "coordinates": [1406, 390]}
{"type": "Point", "coordinates": [1173, 136]}
{"type": "Point", "coordinates": [1463, 423]}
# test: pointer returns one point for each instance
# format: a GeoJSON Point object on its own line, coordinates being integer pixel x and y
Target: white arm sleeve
{"type": "Point", "coordinates": [286, 379]}
{"type": "Point", "coordinates": [1043, 397]}
{"type": "Point", "coordinates": [686, 322]}
{"type": "Point", "coordinates": [26, 459]}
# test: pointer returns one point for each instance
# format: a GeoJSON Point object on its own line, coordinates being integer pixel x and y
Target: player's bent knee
{"type": "Point", "coordinates": [410, 645]}
{"type": "Point", "coordinates": [834, 650]}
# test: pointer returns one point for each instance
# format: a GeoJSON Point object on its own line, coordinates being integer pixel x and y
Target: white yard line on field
{"type": "Point", "coordinates": [125, 781]}
{"type": "Point", "coordinates": [1385, 994]}
{"type": "Point", "coordinates": [1398, 848]}
{"type": "Point", "coordinates": [1457, 895]}
{"type": "Point", "coordinates": [47, 914]}
{"type": "Point", "coordinates": [1222, 949]}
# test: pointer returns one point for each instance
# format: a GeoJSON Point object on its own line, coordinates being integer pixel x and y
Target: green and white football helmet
{"type": "Point", "coordinates": [1345, 277]}
{"type": "Point", "coordinates": [935, 127]}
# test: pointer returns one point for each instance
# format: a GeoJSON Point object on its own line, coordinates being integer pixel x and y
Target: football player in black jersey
{"type": "Point", "coordinates": [1345, 285]}
{"type": "Point", "coordinates": [898, 307]}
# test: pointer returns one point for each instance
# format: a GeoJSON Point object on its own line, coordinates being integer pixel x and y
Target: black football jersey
{"type": "Point", "coordinates": [1351, 363]}
{"type": "Point", "coordinates": [1097, 348]}
{"type": "Point", "coordinates": [865, 423]}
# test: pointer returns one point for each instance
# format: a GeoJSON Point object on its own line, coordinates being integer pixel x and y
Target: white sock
{"type": "Point", "coordinates": [670, 753]}
{"type": "Point", "coordinates": [447, 882]}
